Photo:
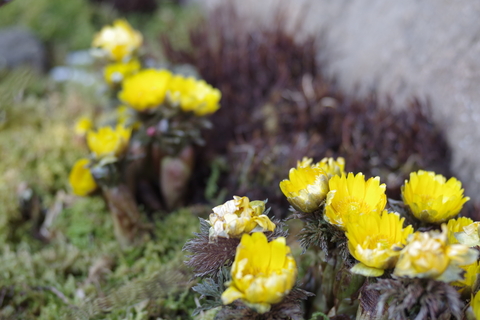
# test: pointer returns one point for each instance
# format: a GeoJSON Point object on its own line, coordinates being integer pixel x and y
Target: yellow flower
{"type": "Point", "coordinates": [82, 126]}
{"type": "Point", "coordinates": [351, 196]}
{"type": "Point", "coordinates": [329, 165]}
{"type": "Point", "coordinates": [263, 272]}
{"type": "Point", "coordinates": [239, 216]}
{"type": "Point", "coordinates": [306, 162]}
{"type": "Point", "coordinates": [332, 167]}
{"type": "Point", "coordinates": [470, 235]}
{"type": "Point", "coordinates": [194, 95]}
{"type": "Point", "coordinates": [475, 304]}
{"type": "Point", "coordinates": [432, 198]}
{"type": "Point", "coordinates": [118, 42]}
{"type": "Point", "coordinates": [306, 188]}
{"type": "Point", "coordinates": [375, 240]}
{"type": "Point", "coordinates": [456, 225]}
{"type": "Point", "coordinates": [470, 278]}
{"type": "Point", "coordinates": [81, 179]}
{"type": "Point", "coordinates": [115, 73]}
{"type": "Point", "coordinates": [109, 141]}
{"type": "Point", "coordinates": [146, 89]}
{"type": "Point", "coordinates": [428, 255]}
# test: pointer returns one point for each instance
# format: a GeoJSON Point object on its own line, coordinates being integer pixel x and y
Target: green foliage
{"type": "Point", "coordinates": [212, 191]}
{"type": "Point", "coordinates": [318, 316]}
{"type": "Point", "coordinates": [212, 289]}
{"type": "Point", "coordinates": [37, 144]}
{"type": "Point", "coordinates": [59, 20]}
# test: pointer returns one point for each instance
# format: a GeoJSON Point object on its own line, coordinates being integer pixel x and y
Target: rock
{"type": "Point", "coordinates": [428, 49]}
{"type": "Point", "coordinates": [20, 47]}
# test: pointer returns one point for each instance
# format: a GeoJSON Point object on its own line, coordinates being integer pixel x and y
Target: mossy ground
{"type": "Point", "coordinates": [78, 271]}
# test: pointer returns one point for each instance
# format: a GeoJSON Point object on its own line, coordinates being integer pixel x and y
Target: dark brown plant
{"type": "Point", "coordinates": [417, 299]}
{"type": "Point", "coordinates": [277, 108]}
{"type": "Point", "coordinates": [208, 257]}
{"type": "Point", "coordinates": [288, 309]}
{"type": "Point", "coordinates": [132, 5]}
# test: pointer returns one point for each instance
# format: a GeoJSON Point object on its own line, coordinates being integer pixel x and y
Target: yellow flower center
{"type": "Point", "coordinates": [378, 241]}
{"type": "Point", "coordinates": [351, 205]}
{"type": "Point", "coordinates": [427, 199]}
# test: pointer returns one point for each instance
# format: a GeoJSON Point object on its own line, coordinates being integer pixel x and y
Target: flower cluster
{"type": "Point", "coordinates": [341, 208]}
{"type": "Point", "coordinates": [260, 266]}
{"type": "Point", "coordinates": [149, 88]}
{"type": "Point", "coordinates": [118, 45]}
{"type": "Point", "coordinates": [164, 113]}
{"type": "Point", "coordinates": [106, 145]}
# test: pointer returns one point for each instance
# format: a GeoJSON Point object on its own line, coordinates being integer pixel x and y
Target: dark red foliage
{"type": "Point", "coordinates": [132, 5]}
{"type": "Point", "coordinates": [277, 108]}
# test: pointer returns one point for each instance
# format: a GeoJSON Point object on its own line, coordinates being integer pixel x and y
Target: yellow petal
{"type": "Point", "coordinates": [366, 271]}
{"type": "Point", "coordinates": [230, 295]}
{"type": "Point", "coordinates": [81, 179]}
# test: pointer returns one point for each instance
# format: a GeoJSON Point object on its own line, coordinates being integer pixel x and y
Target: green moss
{"type": "Point", "coordinates": [80, 272]}
{"type": "Point", "coordinates": [37, 144]}
{"type": "Point", "coordinates": [34, 275]}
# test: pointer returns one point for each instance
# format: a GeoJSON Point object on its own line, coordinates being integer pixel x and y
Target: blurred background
{"type": "Point", "coordinates": [390, 86]}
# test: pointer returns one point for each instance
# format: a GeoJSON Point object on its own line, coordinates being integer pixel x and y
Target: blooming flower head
{"type": "Point", "coordinates": [195, 96]}
{"type": "Point", "coordinates": [82, 126]}
{"type": "Point", "coordinates": [115, 73]}
{"type": "Point", "coordinates": [263, 272]}
{"type": "Point", "coordinates": [351, 196]}
{"type": "Point", "coordinates": [456, 225]}
{"type": "Point", "coordinates": [306, 188]}
{"type": "Point", "coordinates": [81, 180]}
{"type": "Point", "coordinates": [428, 255]}
{"type": "Point", "coordinates": [375, 240]}
{"type": "Point", "coordinates": [333, 167]}
{"type": "Point", "coordinates": [118, 42]}
{"type": "Point", "coordinates": [239, 216]}
{"type": "Point", "coordinates": [432, 198]}
{"type": "Point", "coordinates": [109, 141]}
{"type": "Point", "coordinates": [146, 89]}
{"type": "Point", "coordinates": [470, 235]}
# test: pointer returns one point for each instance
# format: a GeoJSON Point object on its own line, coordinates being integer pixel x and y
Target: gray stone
{"type": "Point", "coordinates": [20, 47]}
{"type": "Point", "coordinates": [426, 48]}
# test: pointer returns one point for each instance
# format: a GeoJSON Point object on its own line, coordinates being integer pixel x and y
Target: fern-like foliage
{"type": "Point", "coordinates": [208, 257]}
{"type": "Point", "coordinates": [211, 289]}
